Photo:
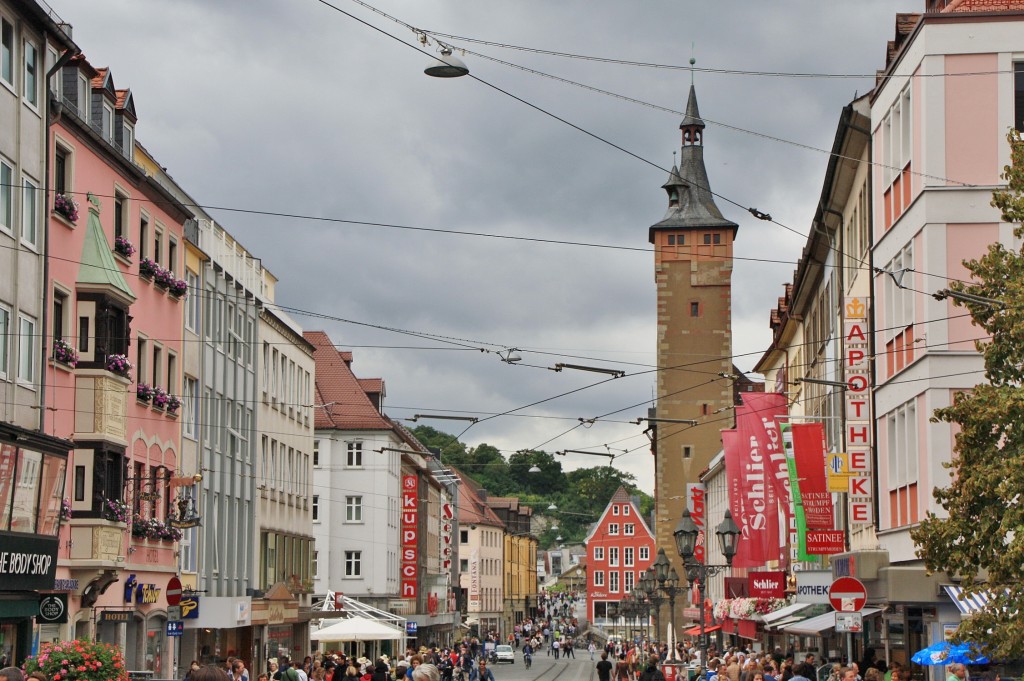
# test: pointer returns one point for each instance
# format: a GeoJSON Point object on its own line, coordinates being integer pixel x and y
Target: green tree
{"type": "Point", "coordinates": [981, 539]}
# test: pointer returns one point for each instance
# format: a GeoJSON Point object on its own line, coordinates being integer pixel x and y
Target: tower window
{"type": "Point", "coordinates": [671, 239]}
{"type": "Point", "coordinates": [687, 451]}
{"type": "Point", "coordinates": [707, 239]}
{"type": "Point", "coordinates": [716, 238]}
{"type": "Point", "coordinates": [695, 309]}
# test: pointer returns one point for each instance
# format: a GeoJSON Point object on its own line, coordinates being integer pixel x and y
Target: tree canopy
{"type": "Point", "coordinates": [580, 495]}
{"type": "Point", "coordinates": [978, 541]}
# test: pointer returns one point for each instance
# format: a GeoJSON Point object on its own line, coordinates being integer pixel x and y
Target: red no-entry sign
{"type": "Point", "coordinates": [173, 591]}
{"type": "Point", "coordinates": [847, 594]}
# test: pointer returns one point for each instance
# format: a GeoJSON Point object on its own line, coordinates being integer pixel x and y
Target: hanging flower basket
{"type": "Point", "coordinates": [173, 404]}
{"type": "Point", "coordinates": [144, 392]}
{"type": "Point", "coordinates": [148, 268]}
{"type": "Point", "coordinates": [123, 247]}
{"type": "Point", "coordinates": [66, 207]}
{"type": "Point", "coordinates": [78, 660]}
{"type": "Point", "coordinates": [116, 510]}
{"type": "Point", "coordinates": [65, 353]}
{"type": "Point", "coordinates": [178, 288]}
{"type": "Point", "coordinates": [160, 397]}
{"type": "Point", "coordinates": [120, 365]}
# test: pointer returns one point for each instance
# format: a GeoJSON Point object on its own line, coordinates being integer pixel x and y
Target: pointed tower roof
{"type": "Point", "coordinates": [691, 203]}
{"type": "Point", "coordinates": [98, 268]}
{"type": "Point", "coordinates": [692, 116]}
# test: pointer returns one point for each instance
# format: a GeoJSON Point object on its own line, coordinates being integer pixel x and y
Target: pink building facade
{"type": "Point", "coordinates": [116, 306]}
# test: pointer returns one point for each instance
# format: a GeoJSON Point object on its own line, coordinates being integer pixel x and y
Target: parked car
{"type": "Point", "coordinates": [505, 654]}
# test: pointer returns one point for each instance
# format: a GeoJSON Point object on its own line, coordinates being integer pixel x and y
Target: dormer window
{"type": "Point", "coordinates": [83, 97]}
{"type": "Point", "coordinates": [107, 123]}
{"type": "Point", "coordinates": [128, 144]}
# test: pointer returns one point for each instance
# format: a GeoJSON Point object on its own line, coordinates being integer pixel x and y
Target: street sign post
{"type": "Point", "coordinates": [175, 628]}
{"type": "Point", "coordinates": [173, 591]}
{"type": "Point", "coordinates": [174, 613]}
{"type": "Point", "coordinates": [847, 594]}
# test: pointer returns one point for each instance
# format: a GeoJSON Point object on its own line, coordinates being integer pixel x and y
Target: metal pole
{"type": "Point", "coordinates": [672, 622]}
{"type": "Point", "coordinates": [703, 634]}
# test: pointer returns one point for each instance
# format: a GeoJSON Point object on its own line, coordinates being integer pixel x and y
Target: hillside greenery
{"type": "Point", "coordinates": [580, 495]}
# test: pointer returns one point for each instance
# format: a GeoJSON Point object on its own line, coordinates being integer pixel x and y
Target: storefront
{"type": "Point", "coordinates": [278, 627]}
{"type": "Point", "coordinates": [32, 471]}
{"type": "Point", "coordinates": [217, 628]}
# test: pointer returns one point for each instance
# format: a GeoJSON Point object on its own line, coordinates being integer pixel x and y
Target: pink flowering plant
{"type": "Point", "coordinates": [148, 268]}
{"type": "Point", "coordinates": [144, 391]}
{"type": "Point", "coordinates": [65, 353]}
{"type": "Point", "coordinates": [66, 207]}
{"type": "Point", "coordinates": [159, 398]}
{"type": "Point", "coordinates": [173, 403]}
{"type": "Point", "coordinates": [179, 287]}
{"type": "Point", "coordinates": [65, 509]}
{"type": "Point", "coordinates": [123, 247]}
{"type": "Point", "coordinates": [120, 365]}
{"type": "Point", "coordinates": [116, 510]}
{"type": "Point", "coordinates": [152, 528]}
{"type": "Point", "coordinates": [78, 660]}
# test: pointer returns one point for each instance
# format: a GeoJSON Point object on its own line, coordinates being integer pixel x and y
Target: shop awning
{"type": "Point", "coordinates": [967, 604]}
{"type": "Point", "coordinates": [695, 631]}
{"type": "Point", "coordinates": [778, 624]}
{"type": "Point", "coordinates": [816, 626]}
{"type": "Point", "coordinates": [782, 613]}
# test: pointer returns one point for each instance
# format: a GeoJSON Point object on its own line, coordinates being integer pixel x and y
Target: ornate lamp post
{"type": "Point", "coordinates": [686, 534]}
{"type": "Point", "coordinates": [668, 584]}
{"type": "Point", "coordinates": [649, 587]}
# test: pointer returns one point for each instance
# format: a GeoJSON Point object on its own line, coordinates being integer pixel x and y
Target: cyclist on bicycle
{"type": "Point", "coordinates": [528, 654]}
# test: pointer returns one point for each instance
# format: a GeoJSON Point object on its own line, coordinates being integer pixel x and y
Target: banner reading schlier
{"type": "Point", "coordinates": [752, 502]}
{"type": "Point", "coordinates": [757, 426]}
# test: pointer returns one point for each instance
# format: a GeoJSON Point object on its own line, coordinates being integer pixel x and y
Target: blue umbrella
{"type": "Point", "coordinates": [944, 652]}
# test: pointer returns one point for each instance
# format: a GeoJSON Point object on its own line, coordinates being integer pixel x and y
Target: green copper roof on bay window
{"type": "Point", "coordinates": [99, 268]}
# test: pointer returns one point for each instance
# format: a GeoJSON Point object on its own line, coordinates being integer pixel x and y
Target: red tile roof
{"type": "Point", "coordinates": [370, 385]}
{"type": "Point", "coordinates": [471, 508]}
{"type": "Point", "coordinates": [348, 407]}
{"type": "Point", "coordinates": [101, 74]}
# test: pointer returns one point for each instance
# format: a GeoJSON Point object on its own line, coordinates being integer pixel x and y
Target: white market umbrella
{"type": "Point", "coordinates": [357, 629]}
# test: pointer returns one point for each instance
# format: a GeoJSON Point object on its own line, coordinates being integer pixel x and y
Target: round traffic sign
{"type": "Point", "coordinates": [847, 594]}
{"type": "Point", "coordinates": [173, 591]}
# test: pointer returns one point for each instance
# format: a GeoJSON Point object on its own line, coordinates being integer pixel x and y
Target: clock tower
{"type": "Point", "coordinates": [693, 274]}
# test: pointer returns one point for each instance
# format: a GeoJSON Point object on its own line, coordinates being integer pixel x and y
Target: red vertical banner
{"type": "Point", "coordinates": [410, 536]}
{"type": "Point", "coordinates": [759, 502]}
{"type": "Point", "coordinates": [756, 423]}
{"type": "Point", "coordinates": [745, 555]}
{"type": "Point", "coordinates": [809, 452]}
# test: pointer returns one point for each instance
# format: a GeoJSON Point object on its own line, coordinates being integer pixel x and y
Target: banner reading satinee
{"type": "Point", "coordinates": [758, 422]}
{"type": "Point", "coordinates": [809, 450]}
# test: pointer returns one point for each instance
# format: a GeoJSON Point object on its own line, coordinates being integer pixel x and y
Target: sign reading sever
{"type": "Point", "coordinates": [410, 535]}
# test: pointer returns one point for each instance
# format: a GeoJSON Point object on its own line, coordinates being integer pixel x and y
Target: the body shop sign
{"type": "Point", "coordinates": [410, 535]}
{"type": "Point", "coordinates": [27, 562]}
{"type": "Point", "coordinates": [858, 412]}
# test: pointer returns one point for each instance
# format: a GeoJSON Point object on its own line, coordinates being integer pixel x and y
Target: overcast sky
{"type": "Point", "coordinates": [291, 106]}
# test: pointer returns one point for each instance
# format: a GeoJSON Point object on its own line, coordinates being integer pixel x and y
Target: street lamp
{"type": "Point", "coordinates": [686, 534]}
{"type": "Point", "coordinates": [649, 586]}
{"type": "Point", "coordinates": [668, 583]}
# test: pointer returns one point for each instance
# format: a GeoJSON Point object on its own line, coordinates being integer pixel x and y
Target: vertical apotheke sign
{"type": "Point", "coordinates": [410, 535]}
{"type": "Point", "coordinates": [858, 410]}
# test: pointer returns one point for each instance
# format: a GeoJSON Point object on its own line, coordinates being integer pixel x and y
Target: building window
{"type": "Point", "coordinates": [120, 214]}
{"type": "Point", "coordinates": [627, 556]}
{"type": "Point", "coordinates": [353, 563]}
{"type": "Point", "coordinates": [316, 453]}
{"type": "Point", "coordinates": [316, 508]}
{"type": "Point", "coordinates": [31, 92]}
{"type": "Point", "coordinates": [354, 509]}
{"type": "Point", "coordinates": [694, 309]}
{"type": "Point", "coordinates": [29, 212]}
{"type": "Point", "coordinates": [645, 553]}
{"type": "Point", "coordinates": [707, 239]}
{"type": "Point", "coordinates": [5, 340]}
{"type": "Point", "coordinates": [172, 255]}
{"type": "Point", "coordinates": [901, 435]}
{"type": "Point", "coordinates": [615, 509]}
{"type": "Point", "coordinates": [598, 577]}
{"type": "Point", "coordinates": [463, 536]}
{"type": "Point", "coordinates": [627, 581]}
{"type": "Point", "coordinates": [629, 529]}
{"type": "Point", "coordinates": [128, 141]}
{"type": "Point", "coordinates": [107, 122]}
{"type": "Point", "coordinates": [613, 582]}
{"type": "Point", "coordinates": [687, 451]}
{"type": "Point", "coordinates": [172, 374]}
{"type": "Point", "coordinates": [61, 185]}
{"type": "Point", "coordinates": [189, 406]}
{"type": "Point", "coordinates": [7, 51]}
{"type": "Point", "coordinates": [60, 311]}
{"type": "Point", "coordinates": [158, 364]}
{"type": "Point", "coordinates": [83, 97]}
{"type": "Point", "coordinates": [144, 238]}
{"type": "Point", "coordinates": [192, 302]}
{"type": "Point", "coordinates": [1018, 96]}
{"type": "Point", "coordinates": [613, 528]}
{"type": "Point", "coordinates": [26, 349]}
{"type": "Point", "coordinates": [6, 197]}
{"type": "Point", "coordinates": [355, 455]}
{"type": "Point", "coordinates": [613, 556]}
{"type": "Point", "coordinates": [598, 553]}
{"type": "Point", "coordinates": [158, 251]}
